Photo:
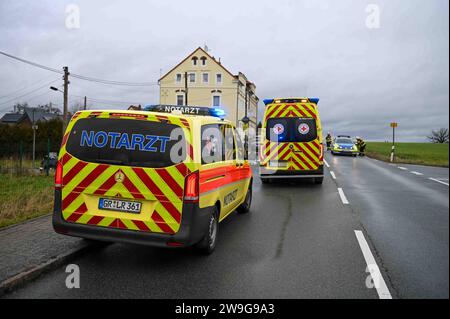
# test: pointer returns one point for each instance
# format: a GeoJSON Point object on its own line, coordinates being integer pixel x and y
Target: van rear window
{"type": "Point", "coordinates": [127, 142]}
{"type": "Point", "coordinates": [291, 129]}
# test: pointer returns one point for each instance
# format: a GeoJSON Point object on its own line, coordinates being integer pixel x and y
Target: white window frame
{"type": "Point", "coordinates": [194, 61]}
{"type": "Point", "coordinates": [176, 78]}
{"type": "Point", "coordinates": [203, 79]}
{"type": "Point", "coordinates": [203, 60]}
{"type": "Point", "coordinates": [195, 77]}
{"type": "Point", "coordinates": [220, 100]}
{"type": "Point", "coordinates": [176, 98]}
{"type": "Point", "coordinates": [221, 78]}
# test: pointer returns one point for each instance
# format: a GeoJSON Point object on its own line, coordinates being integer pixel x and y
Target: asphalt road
{"type": "Point", "coordinates": [405, 211]}
{"type": "Point", "coordinates": [299, 241]}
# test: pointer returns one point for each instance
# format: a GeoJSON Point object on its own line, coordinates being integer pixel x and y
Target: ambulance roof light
{"type": "Point", "coordinates": [188, 110]}
{"type": "Point", "coordinates": [292, 100]}
{"type": "Point", "coordinates": [314, 100]}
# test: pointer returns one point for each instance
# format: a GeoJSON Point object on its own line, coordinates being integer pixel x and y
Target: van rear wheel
{"type": "Point", "coordinates": [245, 206]}
{"type": "Point", "coordinates": [208, 243]}
{"type": "Point", "coordinates": [318, 180]}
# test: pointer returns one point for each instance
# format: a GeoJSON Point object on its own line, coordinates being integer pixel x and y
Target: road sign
{"type": "Point", "coordinates": [394, 124]}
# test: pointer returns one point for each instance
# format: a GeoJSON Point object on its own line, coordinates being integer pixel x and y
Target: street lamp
{"type": "Point", "coordinates": [55, 89]}
{"type": "Point", "coordinates": [64, 116]}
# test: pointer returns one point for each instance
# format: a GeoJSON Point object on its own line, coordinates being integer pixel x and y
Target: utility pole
{"type": "Point", "coordinates": [85, 103]}
{"type": "Point", "coordinates": [185, 88]}
{"type": "Point", "coordinates": [66, 92]}
{"type": "Point", "coordinates": [393, 125]}
{"type": "Point", "coordinates": [34, 140]}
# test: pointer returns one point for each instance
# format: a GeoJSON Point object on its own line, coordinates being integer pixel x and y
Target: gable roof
{"type": "Point", "coordinates": [204, 52]}
{"type": "Point", "coordinates": [39, 115]}
{"type": "Point", "coordinates": [12, 118]}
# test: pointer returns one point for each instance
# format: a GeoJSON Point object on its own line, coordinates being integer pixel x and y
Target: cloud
{"type": "Point", "coordinates": [364, 77]}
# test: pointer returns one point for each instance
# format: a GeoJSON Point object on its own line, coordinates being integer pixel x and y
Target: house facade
{"type": "Point", "coordinates": [202, 80]}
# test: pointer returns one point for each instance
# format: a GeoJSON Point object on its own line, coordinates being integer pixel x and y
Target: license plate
{"type": "Point", "coordinates": [278, 164]}
{"type": "Point", "coordinates": [120, 205]}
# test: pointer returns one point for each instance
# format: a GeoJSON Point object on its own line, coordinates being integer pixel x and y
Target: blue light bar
{"type": "Point", "coordinates": [314, 100]}
{"type": "Point", "coordinates": [185, 109]}
{"type": "Point", "coordinates": [268, 101]}
{"type": "Point", "coordinates": [217, 113]}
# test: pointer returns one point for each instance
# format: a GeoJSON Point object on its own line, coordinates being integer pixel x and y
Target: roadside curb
{"type": "Point", "coordinates": [25, 222]}
{"type": "Point", "coordinates": [22, 278]}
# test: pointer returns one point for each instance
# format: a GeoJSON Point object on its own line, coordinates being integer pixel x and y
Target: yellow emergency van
{"type": "Point", "coordinates": [165, 176]}
{"type": "Point", "coordinates": [291, 140]}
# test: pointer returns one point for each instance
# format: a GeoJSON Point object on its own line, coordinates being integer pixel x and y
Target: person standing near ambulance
{"type": "Point", "coordinates": [329, 140]}
{"type": "Point", "coordinates": [361, 144]}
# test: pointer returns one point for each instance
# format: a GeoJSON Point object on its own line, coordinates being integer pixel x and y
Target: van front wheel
{"type": "Point", "coordinates": [208, 243]}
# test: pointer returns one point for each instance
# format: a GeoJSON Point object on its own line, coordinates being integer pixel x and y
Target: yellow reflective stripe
{"type": "Point", "coordinates": [106, 221]}
{"type": "Point", "coordinates": [84, 218]}
{"type": "Point", "coordinates": [118, 189]}
{"type": "Point", "coordinates": [69, 165]}
{"type": "Point", "coordinates": [78, 179]}
{"type": "Point", "coordinates": [136, 181]}
{"type": "Point", "coordinates": [176, 175]}
{"type": "Point", "coordinates": [153, 227]}
{"type": "Point", "coordinates": [129, 224]}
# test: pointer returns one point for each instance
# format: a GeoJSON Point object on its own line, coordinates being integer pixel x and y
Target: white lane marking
{"type": "Point", "coordinates": [416, 173]}
{"type": "Point", "coordinates": [403, 168]}
{"type": "Point", "coordinates": [343, 197]}
{"type": "Point", "coordinates": [326, 163]}
{"type": "Point", "coordinates": [375, 273]}
{"type": "Point", "coordinates": [436, 180]}
{"type": "Point", "coordinates": [333, 175]}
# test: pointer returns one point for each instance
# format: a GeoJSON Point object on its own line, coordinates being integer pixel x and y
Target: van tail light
{"type": "Point", "coordinates": [321, 153]}
{"type": "Point", "coordinates": [58, 175]}
{"type": "Point", "coordinates": [192, 188]}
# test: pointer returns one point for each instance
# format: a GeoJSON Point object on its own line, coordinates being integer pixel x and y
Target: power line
{"type": "Point", "coordinates": [25, 87]}
{"type": "Point", "coordinates": [23, 95]}
{"type": "Point", "coordinates": [31, 63]}
{"type": "Point", "coordinates": [78, 76]}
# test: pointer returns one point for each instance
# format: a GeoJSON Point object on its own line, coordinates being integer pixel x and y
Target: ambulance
{"type": "Point", "coordinates": [291, 141]}
{"type": "Point", "coordinates": [166, 176]}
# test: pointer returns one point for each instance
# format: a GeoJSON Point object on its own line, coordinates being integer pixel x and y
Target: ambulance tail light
{"type": "Point", "coordinates": [192, 188]}
{"type": "Point", "coordinates": [58, 175]}
{"type": "Point", "coordinates": [321, 152]}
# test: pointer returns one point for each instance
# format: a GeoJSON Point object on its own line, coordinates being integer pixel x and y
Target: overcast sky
{"type": "Point", "coordinates": [365, 77]}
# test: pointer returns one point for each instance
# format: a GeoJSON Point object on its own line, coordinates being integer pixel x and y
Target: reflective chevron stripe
{"type": "Point", "coordinates": [159, 190]}
{"type": "Point", "coordinates": [299, 156]}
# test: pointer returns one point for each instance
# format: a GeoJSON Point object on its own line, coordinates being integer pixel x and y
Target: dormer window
{"type": "Point", "coordinates": [195, 61]}
{"type": "Point", "coordinates": [203, 60]}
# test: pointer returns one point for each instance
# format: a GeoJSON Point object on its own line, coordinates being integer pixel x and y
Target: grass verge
{"type": "Point", "coordinates": [411, 153]}
{"type": "Point", "coordinates": [24, 197]}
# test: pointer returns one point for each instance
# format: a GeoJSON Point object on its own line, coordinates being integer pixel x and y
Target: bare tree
{"type": "Point", "coordinates": [440, 136]}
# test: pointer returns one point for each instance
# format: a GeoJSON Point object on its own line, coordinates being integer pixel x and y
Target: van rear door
{"type": "Point", "coordinates": [126, 171]}
{"type": "Point", "coordinates": [292, 138]}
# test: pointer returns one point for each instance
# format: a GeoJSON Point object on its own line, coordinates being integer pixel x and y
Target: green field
{"type": "Point", "coordinates": [24, 197]}
{"type": "Point", "coordinates": [411, 153]}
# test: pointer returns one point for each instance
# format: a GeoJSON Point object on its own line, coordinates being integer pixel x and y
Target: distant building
{"type": "Point", "coordinates": [28, 115]}
{"type": "Point", "coordinates": [209, 83]}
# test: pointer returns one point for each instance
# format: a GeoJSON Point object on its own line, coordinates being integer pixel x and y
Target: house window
{"type": "Point", "coordinates": [194, 61]}
{"type": "Point", "coordinates": [203, 59]}
{"type": "Point", "coordinates": [179, 78]}
{"type": "Point", "coordinates": [205, 77]}
{"type": "Point", "coordinates": [180, 99]}
{"type": "Point", "coordinates": [216, 100]}
{"type": "Point", "coordinates": [218, 78]}
{"type": "Point", "coordinates": [192, 77]}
